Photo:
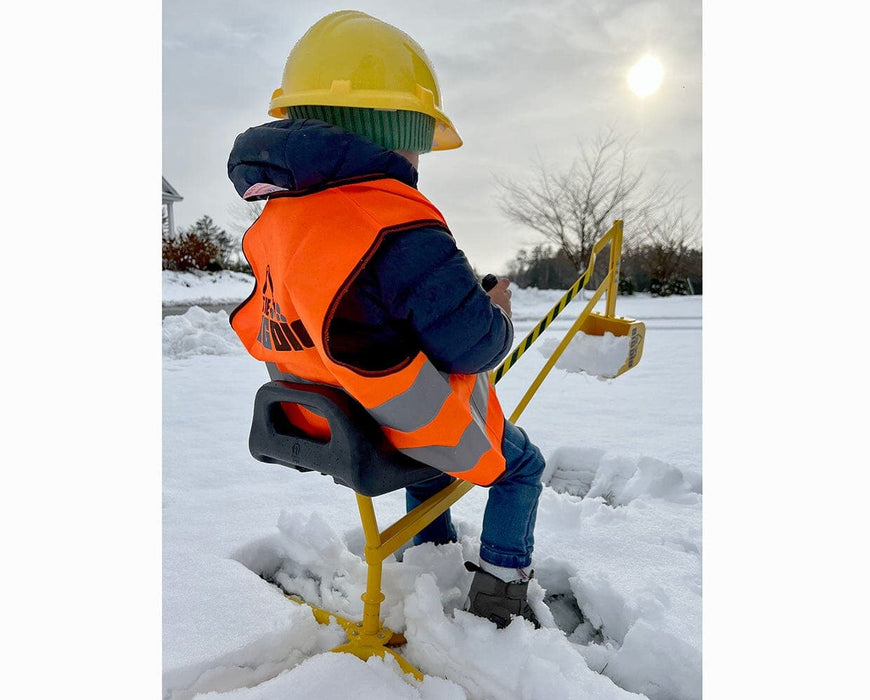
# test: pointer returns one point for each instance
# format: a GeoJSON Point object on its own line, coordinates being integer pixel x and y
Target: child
{"type": "Point", "coordinates": [360, 285]}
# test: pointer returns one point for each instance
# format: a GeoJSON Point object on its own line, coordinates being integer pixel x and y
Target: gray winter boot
{"type": "Point", "coordinates": [498, 600]}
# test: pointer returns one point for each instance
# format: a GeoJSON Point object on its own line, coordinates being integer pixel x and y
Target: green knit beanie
{"type": "Point", "coordinates": [393, 129]}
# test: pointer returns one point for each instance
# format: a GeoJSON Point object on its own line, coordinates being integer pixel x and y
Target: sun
{"type": "Point", "coordinates": [645, 76]}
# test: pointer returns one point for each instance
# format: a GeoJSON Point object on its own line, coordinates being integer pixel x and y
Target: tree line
{"type": "Point", "coordinates": [572, 207]}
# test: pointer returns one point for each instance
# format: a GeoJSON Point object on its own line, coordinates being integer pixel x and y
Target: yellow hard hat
{"type": "Point", "coordinates": [350, 59]}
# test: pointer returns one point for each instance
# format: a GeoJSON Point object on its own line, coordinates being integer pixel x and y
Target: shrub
{"type": "Point", "coordinates": [190, 251]}
{"type": "Point", "coordinates": [202, 246]}
{"type": "Point", "coordinates": [672, 285]}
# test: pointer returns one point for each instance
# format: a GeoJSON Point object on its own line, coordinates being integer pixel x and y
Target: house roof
{"type": "Point", "coordinates": [169, 193]}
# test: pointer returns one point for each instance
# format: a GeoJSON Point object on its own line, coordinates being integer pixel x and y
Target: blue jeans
{"type": "Point", "coordinates": [508, 534]}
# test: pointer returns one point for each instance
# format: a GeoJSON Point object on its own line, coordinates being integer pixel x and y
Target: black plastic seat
{"type": "Point", "coordinates": [356, 455]}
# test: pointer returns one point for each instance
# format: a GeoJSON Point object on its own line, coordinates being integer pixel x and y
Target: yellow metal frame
{"type": "Point", "coordinates": [369, 637]}
{"type": "Point", "coordinates": [541, 326]}
{"type": "Point", "coordinates": [592, 323]}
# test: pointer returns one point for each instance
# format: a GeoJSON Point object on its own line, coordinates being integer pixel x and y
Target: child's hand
{"type": "Point", "coordinates": [501, 295]}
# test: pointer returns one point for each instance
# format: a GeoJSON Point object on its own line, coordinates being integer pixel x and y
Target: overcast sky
{"type": "Point", "coordinates": [518, 80]}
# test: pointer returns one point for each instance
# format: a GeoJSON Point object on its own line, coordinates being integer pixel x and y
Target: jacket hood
{"type": "Point", "coordinates": [307, 154]}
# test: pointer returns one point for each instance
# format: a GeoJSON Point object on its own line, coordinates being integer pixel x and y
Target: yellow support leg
{"type": "Point", "coordinates": [369, 637]}
{"type": "Point", "coordinates": [359, 643]}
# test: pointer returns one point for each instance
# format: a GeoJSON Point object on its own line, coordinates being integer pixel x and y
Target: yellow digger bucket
{"type": "Point", "coordinates": [598, 324]}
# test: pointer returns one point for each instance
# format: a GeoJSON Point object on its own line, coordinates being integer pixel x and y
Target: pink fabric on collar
{"type": "Point", "coordinates": [262, 188]}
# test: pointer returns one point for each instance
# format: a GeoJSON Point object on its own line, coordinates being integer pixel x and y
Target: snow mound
{"type": "Point", "coordinates": [492, 664]}
{"type": "Point", "coordinates": [462, 656]}
{"type": "Point", "coordinates": [617, 479]}
{"type": "Point", "coordinates": [597, 355]}
{"type": "Point", "coordinates": [259, 635]}
{"type": "Point", "coordinates": [199, 332]}
{"type": "Point", "coordinates": [330, 675]}
{"type": "Point", "coordinates": [197, 287]}
{"type": "Point", "coordinates": [620, 557]}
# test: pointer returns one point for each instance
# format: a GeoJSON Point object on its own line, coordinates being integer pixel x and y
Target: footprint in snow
{"type": "Point", "coordinates": [618, 479]}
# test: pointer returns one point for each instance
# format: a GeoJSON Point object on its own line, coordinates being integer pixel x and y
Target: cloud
{"type": "Point", "coordinates": [518, 79]}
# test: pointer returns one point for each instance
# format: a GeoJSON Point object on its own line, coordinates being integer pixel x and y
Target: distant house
{"type": "Point", "coordinates": [170, 196]}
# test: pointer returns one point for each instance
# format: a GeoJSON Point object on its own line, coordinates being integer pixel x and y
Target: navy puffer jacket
{"type": "Point", "coordinates": [418, 292]}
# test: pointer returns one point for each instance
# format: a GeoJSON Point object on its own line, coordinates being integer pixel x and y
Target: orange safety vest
{"type": "Point", "coordinates": [305, 251]}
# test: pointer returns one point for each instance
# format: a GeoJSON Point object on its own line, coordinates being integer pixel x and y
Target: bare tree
{"type": "Point", "coordinates": [243, 214]}
{"type": "Point", "coordinates": [573, 208]}
{"type": "Point", "coordinates": [670, 245]}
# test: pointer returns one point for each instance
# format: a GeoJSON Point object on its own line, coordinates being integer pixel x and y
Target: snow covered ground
{"type": "Point", "coordinates": [618, 539]}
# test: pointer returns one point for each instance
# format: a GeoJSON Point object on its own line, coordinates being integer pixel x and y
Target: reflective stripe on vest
{"type": "Point", "coordinates": [304, 252]}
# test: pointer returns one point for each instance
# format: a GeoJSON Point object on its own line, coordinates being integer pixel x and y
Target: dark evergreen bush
{"type": "Point", "coordinates": [202, 246]}
{"type": "Point", "coordinates": [189, 251]}
{"type": "Point", "coordinates": [626, 286]}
